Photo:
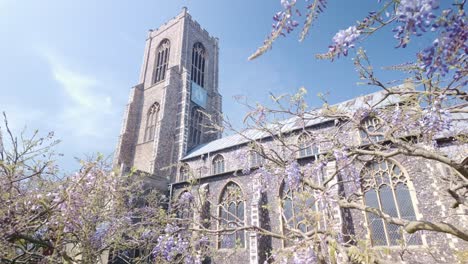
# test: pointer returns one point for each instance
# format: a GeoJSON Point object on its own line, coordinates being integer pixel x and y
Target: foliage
{"type": "Point", "coordinates": [80, 217]}
{"type": "Point", "coordinates": [77, 218]}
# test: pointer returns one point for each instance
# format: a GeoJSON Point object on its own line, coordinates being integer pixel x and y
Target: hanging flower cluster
{"type": "Point", "coordinates": [293, 175]}
{"type": "Point", "coordinates": [435, 118]}
{"type": "Point", "coordinates": [175, 246]}
{"type": "Point", "coordinates": [450, 48]}
{"type": "Point", "coordinates": [186, 198]}
{"type": "Point", "coordinates": [243, 157]}
{"type": "Point", "coordinates": [283, 20]}
{"type": "Point", "coordinates": [343, 41]}
{"type": "Point", "coordinates": [416, 17]}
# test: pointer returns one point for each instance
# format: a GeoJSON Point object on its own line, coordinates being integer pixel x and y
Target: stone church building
{"type": "Point", "coordinates": [164, 134]}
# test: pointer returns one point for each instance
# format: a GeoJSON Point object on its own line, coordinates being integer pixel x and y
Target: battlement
{"type": "Point", "coordinates": [183, 14]}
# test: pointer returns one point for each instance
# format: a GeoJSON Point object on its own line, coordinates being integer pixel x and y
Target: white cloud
{"type": "Point", "coordinates": [87, 106]}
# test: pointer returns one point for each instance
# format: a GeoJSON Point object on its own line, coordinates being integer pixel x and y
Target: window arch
{"type": "Point", "coordinates": [184, 173]}
{"type": "Point", "coordinates": [306, 148]}
{"type": "Point", "coordinates": [218, 164]}
{"type": "Point", "coordinates": [296, 213]}
{"type": "Point", "coordinates": [196, 126]}
{"type": "Point", "coordinates": [198, 64]}
{"type": "Point", "coordinates": [231, 215]}
{"type": "Point", "coordinates": [162, 60]}
{"type": "Point", "coordinates": [385, 187]}
{"type": "Point", "coordinates": [151, 120]}
{"type": "Point", "coordinates": [372, 125]}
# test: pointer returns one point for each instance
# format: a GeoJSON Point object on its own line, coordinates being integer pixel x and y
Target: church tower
{"type": "Point", "coordinates": [176, 102]}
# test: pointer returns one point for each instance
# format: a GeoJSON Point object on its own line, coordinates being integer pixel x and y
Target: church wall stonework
{"type": "Point", "coordinates": [428, 192]}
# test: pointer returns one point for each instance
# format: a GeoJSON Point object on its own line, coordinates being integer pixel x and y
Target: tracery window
{"type": "Point", "coordinates": [385, 187]}
{"type": "Point", "coordinates": [196, 126]}
{"type": "Point", "coordinates": [231, 214]}
{"type": "Point", "coordinates": [296, 213]}
{"type": "Point", "coordinates": [306, 148]}
{"type": "Point", "coordinates": [372, 125]}
{"type": "Point", "coordinates": [198, 64]}
{"type": "Point", "coordinates": [162, 60]}
{"type": "Point", "coordinates": [218, 164]}
{"type": "Point", "coordinates": [256, 160]}
{"type": "Point", "coordinates": [151, 120]}
{"type": "Point", "coordinates": [184, 173]}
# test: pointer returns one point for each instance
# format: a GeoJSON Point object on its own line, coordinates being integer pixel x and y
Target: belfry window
{"type": "Point", "coordinates": [385, 187]}
{"type": "Point", "coordinates": [218, 164]}
{"type": "Point", "coordinates": [162, 60]}
{"type": "Point", "coordinates": [306, 148]}
{"type": "Point", "coordinates": [231, 215]}
{"type": "Point", "coordinates": [196, 126]}
{"type": "Point", "coordinates": [198, 64]}
{"type": "Point", "coordinates": [151, 120]}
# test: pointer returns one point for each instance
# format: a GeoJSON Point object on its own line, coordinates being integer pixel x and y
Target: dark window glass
{"type": "Point", "coordinates": [162, 60]}
{"type": "Point", "coordinates": [385, 188]}
{"type": "Point", "coordinates": [232, 216]}
{"type": "Point", "coordinates": [198, 64]}
{"type": "Point", "coordinates": [151, 120]}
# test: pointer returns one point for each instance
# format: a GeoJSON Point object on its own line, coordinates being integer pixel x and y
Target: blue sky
{"type": "Point", "coordinates": [67, 66]}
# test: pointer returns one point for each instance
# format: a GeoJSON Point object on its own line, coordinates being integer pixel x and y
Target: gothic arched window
{"type": "Point", "coordinates": [151, 120]}
{"type": "Point", "coordinates": [198, 64]}
{"type": "Point", "coordinates": [306, 148]}
{"type": "Point", "coordinates": [296, 213]}
{"type": "Point", "coordinates": [196, 126]}
{"type": "Point", "coordinates": [385, 187]}
{"type": "Point", "coordinates": [184, 174]}
{"type": "Point", "coordinates": [162, 59]}
{"type": "Point", "coordinates": [371, 125]}
{"type": "Point", "coordinates": [231, 215]}
{"type": "Point", "coordinates": [218, 164]}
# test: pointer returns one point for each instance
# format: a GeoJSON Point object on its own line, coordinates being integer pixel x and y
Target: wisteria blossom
{"type": "Point", "coordinates": [293, 175]}
{"type": "Point", "coordinates": [435, 119]}
{"type": "Point", "coordinates": [344, 40]}
{"type": "Point", "coordinates": [450, 48]}
{"type": "Point", "coordinates": [416, 17]}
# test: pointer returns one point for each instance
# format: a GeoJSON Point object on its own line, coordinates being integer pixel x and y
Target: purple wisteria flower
{"type": "Point", "coordinates": [304, 256]}
{"type": "Point", "coordinates": [175, 246]}
{"type": "Point", "coordinates": [243, 157]}
{"type": "Point", "coordinates": [97, 238]}
{"type": "Point", "coordinates": [285, 15]}
{"type": "Point", "coordinates": [416, 17]}
{"type": "Point", "coordinates": [348, 172]}
{"type": "Point", "coordinates": [450, 48]}
{"type": "Point", "coordinates": [293, 175]}
{"type": "Point", "coordinates": [435, 119]}
{"type": "Point", "coordinates": [362, 113]}
{"type": "Point", "coordinates": [171, 229]}
{"type": "Point", "coordinates": [186, 198]}
{"type": "Point", "coordinates": [344, 40]}
{"type": "Point", "coordinates": [267, 179]}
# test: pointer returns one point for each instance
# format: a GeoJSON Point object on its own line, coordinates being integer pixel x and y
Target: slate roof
{"type": "Point", "coordinates": [292, 124]}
